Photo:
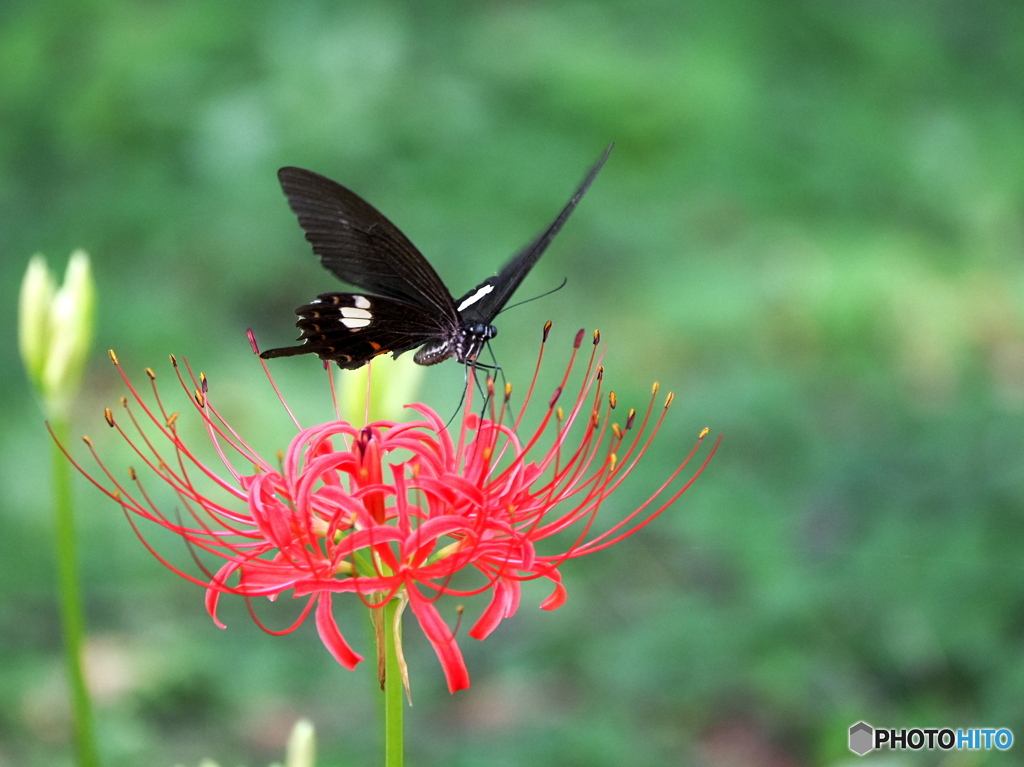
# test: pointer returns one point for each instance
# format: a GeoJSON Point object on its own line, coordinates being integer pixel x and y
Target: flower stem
{"type": "Point", "coordinates": [72, 620]}
{"type": "Point", "coordinates": [393, 699]}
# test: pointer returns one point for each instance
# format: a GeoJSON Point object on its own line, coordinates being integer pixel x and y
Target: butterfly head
{"type": "Point", "coordinates": [470, 340]}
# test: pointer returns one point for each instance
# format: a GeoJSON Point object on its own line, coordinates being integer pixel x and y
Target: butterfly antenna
{"type": "Point", "coordinates": [565, 280]}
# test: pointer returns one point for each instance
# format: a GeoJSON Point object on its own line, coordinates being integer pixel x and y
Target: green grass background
{"type": "Point", "coordinates": [811, 228]}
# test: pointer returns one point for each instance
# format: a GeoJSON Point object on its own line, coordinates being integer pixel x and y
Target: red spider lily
{"type": "Point", "coordinates": [398, 510]}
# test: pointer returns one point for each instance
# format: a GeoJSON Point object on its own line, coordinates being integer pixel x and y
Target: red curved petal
{"type": "Point", "coordinates": [331, 636]}
{"type": "Point", "coordinates": [443, 641]}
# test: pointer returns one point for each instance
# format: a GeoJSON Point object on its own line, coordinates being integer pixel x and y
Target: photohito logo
{"type": "Point", "coordinates": [865, 738]}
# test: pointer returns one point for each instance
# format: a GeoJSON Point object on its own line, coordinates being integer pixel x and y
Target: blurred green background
{"type": "Point", "coordinates": [811, 229]}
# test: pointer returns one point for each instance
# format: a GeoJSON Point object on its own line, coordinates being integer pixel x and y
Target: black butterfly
{"type": "Point", "coordinates": [406, 305]}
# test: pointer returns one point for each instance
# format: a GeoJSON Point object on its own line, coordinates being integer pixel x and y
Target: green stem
{"type": "Point", "coordinates": [72, 619]}
{"type": "Point", "coordinates": [393, 690]}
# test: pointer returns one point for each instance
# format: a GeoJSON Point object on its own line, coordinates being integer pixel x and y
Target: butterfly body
{"type": "Point", "coordinates": [406, 304]}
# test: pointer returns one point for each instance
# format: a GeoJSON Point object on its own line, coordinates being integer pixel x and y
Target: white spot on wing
{"type": "Point", "coordinates": [362, 302]}
{"type": "Point", "coordinates": [480, 293]}
{"type": "Point", "coordinates": [356, 314]}
{"type": "Point", "coordinates": [354, 323]}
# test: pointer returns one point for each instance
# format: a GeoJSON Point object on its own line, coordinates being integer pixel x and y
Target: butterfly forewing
{"type": "Point", "coordinates": [483, 302]}
{"type": "Point", "coordinates": [360, 245]}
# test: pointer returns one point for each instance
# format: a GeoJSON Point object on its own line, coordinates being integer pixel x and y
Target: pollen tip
{"type": "Point", "coordinates": [252, 340]}
{"type": "Point", "coordinates": [613, 460]}
{"type": "Point", "coordinates": [668, 400]}
{"type": "Point", "coordinates": [597, 337]}
{"type": "Point", "coordinates": [200, 399]}
{"type": "Point", "coordinates": [630, 418]}
{"type": "Point", "coordinates": [151, 374]}
{"type": "Point", "coordinates": [508, 390]}
{"type": "Point", "coordinates": [617, 430]}
{"type": "Point", "coordinates": [174, 360]}
{"type": "Point", "coordinates": [87, 440]}
{"type": "Point", "coordinates": [655, 387]}
{"type": "Point", "coordinates": [109, 416]}
{"type": "Point", "coordinates": [131, 474]}
{"type": "Point", "coordinates": [554, 397]}
{"type": "Point", "coordinates": [124, 402]}
{"type": "Point", "coordinates": [171, 419]}
{"type": "Point", "coordinates": [559, 414]}
{"type": "Point", "coordinates": [490, 386]}
{"type": "Point", "coordinates": [547, 329]}
{"type": "Point", "coordinates": [579, 339]}
{"type": "Point", "coordinates": [113, 356]}
{"type": "Point", "coordinates": [704, 432]}
{"type": "Point", "coordinates": [612, 400]}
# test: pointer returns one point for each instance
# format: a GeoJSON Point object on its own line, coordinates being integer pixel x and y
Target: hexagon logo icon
{"type": "Point", "coordinates": [861, 738]}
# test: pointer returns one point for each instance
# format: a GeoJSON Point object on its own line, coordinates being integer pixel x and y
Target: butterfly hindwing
{"type": "Point", "coordinates": [351, 329]}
